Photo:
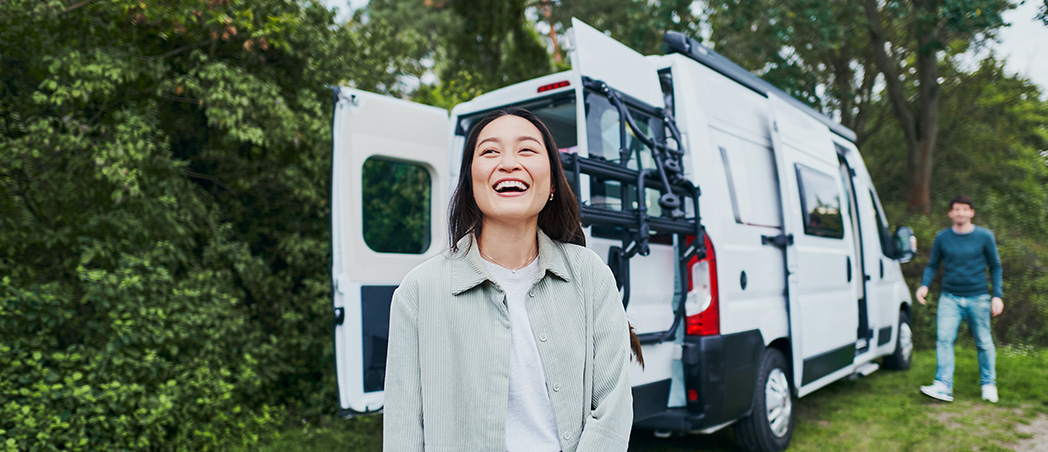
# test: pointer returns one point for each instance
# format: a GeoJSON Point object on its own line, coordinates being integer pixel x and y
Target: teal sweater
{"type": "Point", "coordinates": [967, 256]}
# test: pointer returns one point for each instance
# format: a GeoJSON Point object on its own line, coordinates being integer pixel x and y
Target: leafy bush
{"type": "Point", "coordinates": [992, 149]}
{"type": "Point", "coordinates": [164, 218]}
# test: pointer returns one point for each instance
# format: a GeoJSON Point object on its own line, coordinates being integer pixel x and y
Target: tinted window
{"type": "Point", "coordinates": [397, 197]}
{"type": "Point", "coordinates": [820, 203]}
{"type": "Point", "coordinates": [882, 226]}
{"type": "Point", "coordinates": [556, 112]}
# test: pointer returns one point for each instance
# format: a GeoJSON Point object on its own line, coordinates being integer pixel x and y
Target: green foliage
{"type": "Point", "coordinates": [164, 218]}
{"type": "Point", "coordinates": [471, 46]}
{"type": "Point", "coordinates": [813, 50]}
{"type": "Point", "coordinates": [991, 148]}
{"type": "Point", "coordinates": [397, 206]}
{"type": "Point", "coordinates": [637, 23]}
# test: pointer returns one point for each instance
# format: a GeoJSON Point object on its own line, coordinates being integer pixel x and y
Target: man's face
{"type": "Point", "coordinates": [961, 214]}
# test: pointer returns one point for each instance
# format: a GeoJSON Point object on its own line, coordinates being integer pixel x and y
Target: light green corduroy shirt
{"type": "Point", "coordinates": [447, 368]}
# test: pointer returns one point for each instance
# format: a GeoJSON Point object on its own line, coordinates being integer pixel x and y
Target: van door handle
{"type": "Point", "coordinates": [781, 240]}
{"type": "Point", "coordinates": [849, 267]}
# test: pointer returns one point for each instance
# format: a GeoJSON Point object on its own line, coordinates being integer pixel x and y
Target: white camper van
{"type": "Point", "coordinates": [751, 250]}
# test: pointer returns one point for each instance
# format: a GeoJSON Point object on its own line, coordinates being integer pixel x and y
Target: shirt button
{"type": "Point", "coordinates": [567, 436]}
{"type": "Point", "coordinates": [556, 387]}
{"type": "Point", "coordinates": [542, 338]}
{"type": "Point", "coordinates": [532, 294]}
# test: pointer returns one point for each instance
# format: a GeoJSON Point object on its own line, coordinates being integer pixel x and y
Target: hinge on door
{"type": "Point", "coordinates": [340, 316]}
{"type": "Point", "coordinates": [781, 240]}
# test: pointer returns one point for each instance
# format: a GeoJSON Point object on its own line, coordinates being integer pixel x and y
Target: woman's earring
{"type": "Point", "coordinates": [551, 196]}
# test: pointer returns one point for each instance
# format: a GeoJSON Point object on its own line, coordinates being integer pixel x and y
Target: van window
{"type": "Point", "coordinates": [397, 197]}
{"type": "Point", "coordinates": [557, 112]}
{"type": "Point", "coordinates": [820, 203]}
{"type": "Point", "coordinates": [883, 233]}
{"type": "Point", "coordinates": [603, 139]}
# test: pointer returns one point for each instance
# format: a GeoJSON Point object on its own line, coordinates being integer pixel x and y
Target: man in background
{"type": "Point", "coordinates": [967, 251]}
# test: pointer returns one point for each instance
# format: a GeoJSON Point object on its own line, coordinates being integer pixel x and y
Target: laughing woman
{"type": "Point", "coordinates": [515, 339]}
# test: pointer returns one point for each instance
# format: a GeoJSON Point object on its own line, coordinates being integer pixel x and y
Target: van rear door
{"type": "Point", "coordinates": [623, 190]}
{"type": "Point", "coordinates": [388, 193]}
{"type": "Point", "coordinates": [822, 269]}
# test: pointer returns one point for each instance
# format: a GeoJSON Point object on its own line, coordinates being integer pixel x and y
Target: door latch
{"type": "Point", "coordinates": [781, 240]}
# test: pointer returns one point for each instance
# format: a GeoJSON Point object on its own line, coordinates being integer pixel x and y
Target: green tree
{"type": "Point", "coordinates": [164, 217]}
{"type": "Point", "coordinates": [911, 36]}
{"type": "Point", "coordinates": [806, 46]}
{"type": "Point", "coordinates": [818, 52]}
{"type": "Point", "coordinates": [991, 147]}
{"type": "Point", "coordinates": [639, 24]}
{"type": "Point", "coordinates": [473, 46]}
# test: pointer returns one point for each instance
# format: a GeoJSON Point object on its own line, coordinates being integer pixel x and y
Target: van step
{"type": "Point", "coordinates": [865, 370]}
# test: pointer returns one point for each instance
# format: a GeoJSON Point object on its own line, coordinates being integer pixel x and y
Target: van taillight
{"type": "Point", "coordinates": [701, 309]}
{"type": "Point", "coordinates": [553, 86]}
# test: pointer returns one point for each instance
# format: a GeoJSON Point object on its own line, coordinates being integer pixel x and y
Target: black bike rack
{"type": "Point", "coordinates": [636, 224]}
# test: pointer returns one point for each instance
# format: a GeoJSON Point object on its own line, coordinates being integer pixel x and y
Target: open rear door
{"type": "Point", "coordinates": [599, 57]}
{"type": "Point", "coordinates": [388, 197]}
{"type": "Point", "coordinates": [635, 200]}
{"type": "Point", "coordinates": [820, 262]}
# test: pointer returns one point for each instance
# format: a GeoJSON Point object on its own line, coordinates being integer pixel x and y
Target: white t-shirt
{"type": "Point", "coordinates": [530, 423]}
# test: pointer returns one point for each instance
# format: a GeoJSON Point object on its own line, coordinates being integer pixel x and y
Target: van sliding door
{"type": "Point", "coordinates": [820, 252]}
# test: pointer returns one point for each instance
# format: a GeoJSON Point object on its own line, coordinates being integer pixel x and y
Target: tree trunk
{"type": "Point", "coordinates": [920, 128]}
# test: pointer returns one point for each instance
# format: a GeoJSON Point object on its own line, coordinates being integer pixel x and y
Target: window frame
{"type": "Point", "coordinates": [802, 188]}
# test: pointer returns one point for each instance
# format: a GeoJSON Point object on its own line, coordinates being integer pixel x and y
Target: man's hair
{"type": "Point", "coordinates": [962, 199]}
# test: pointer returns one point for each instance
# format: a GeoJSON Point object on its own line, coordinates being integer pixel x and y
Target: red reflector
{"type": "Point", "coordinates": [561, 84]}
{"type": "Point", "coordinates": [693, 395]}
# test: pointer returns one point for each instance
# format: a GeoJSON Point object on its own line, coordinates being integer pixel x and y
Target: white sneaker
{"type": "Point", "coordinates": [938, 391]}
{"type": "Point", "coordinates": [989, 393]}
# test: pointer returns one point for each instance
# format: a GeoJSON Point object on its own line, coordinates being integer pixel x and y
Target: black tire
{"type": "Point", "coordinates": [756, 432]}
{"type": "Point", "coordinates": [903, 355]}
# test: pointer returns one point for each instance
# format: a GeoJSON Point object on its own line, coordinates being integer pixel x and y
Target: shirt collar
{"type": "Point", "coordinates": [468, 266]}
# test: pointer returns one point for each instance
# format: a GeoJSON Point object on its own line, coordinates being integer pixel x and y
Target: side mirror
{"type": "Point", "coordinates": [905, 244]}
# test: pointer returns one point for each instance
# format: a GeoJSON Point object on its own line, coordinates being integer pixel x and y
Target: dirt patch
{"type": "Point", "coordinates": [1038, 431]}
{"type": "Point", "coordinates": [1033, 435]}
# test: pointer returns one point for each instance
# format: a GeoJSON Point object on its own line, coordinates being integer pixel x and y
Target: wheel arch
{"type": "Point", "coordinates": [782, 344]}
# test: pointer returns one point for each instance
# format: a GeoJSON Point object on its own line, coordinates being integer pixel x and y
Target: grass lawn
{"type": "Point", "coordinates": [882, 412]}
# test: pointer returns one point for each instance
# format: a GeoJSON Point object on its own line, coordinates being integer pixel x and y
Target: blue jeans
{"type": "Point", "coordinates": [976, 311]}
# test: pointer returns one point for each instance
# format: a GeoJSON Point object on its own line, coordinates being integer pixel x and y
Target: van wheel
{"type": "Point", "coordinates": [770, 424]}
{"type": "Point", "coordinates": [903, 356]}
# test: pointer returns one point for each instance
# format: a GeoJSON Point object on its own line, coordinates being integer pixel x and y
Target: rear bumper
{"type": "Point", "coordinates": [720, 376]}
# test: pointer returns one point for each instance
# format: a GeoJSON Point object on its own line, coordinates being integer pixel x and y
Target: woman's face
{"type": "Point", "coordinates": [511, 171]}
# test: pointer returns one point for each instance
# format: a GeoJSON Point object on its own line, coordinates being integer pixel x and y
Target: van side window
{"type": "Point", "coordinates": [883, 232]}
{"type": "Point", "coordinates": [820, 203]}
{"type": "Point", "coordinates": [397, 199]}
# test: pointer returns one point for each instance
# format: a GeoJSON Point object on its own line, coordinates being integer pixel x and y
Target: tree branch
{"type": "Point", "coordinates": [208, 177]}
{"type": "Point", "coordinates": [891, 73]}
{"type": "Point", "coordinates": [185, 48]}
{"type": "Point", "coordinates": [76, 6]}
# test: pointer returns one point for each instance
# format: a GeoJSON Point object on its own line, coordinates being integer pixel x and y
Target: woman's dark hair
{"type": "Point", "coordinates": [559, 219]}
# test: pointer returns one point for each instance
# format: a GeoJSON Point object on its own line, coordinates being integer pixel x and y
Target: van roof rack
{"type": "Point", "coordinates": [677, 42]}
